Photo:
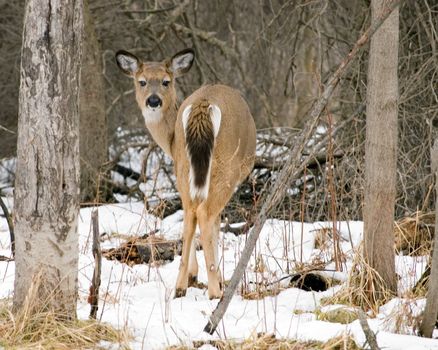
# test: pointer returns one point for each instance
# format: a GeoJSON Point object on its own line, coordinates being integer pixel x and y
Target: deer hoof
{"type": "Point", "coordinates": [179, 293]}
{"type": "Point", "coordinates": [212, 296]}
{"type": "Point", "coordinates": [192, 280]}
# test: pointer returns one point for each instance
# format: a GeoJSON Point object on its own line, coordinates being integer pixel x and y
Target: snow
{"type": "Point", "coordinates": [140, 297]}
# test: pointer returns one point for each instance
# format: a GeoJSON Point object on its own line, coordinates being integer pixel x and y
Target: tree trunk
{"type": "Point", "coordinates": [431, 310]}
{"type": "Point", "coordinates": [93, 125]}
{"type": "Point", "coordinates": [381, 150]}
{"type": "Point", "coordinates": [47, 175]}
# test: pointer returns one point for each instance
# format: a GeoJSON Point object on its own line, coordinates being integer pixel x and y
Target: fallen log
{"type": "Point", "coordinates": [144, 250]}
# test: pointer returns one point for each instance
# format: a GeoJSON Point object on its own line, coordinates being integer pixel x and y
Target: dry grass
{"type": "Point", "coordinates": [261, 292]}
{"type": "Point", "coordinates": [264, 341]}
{"type": "Point", "coordinates": [340, 315]}
{"type": "Point", "coordinates": [414, 234]}
{"type": "Point", "coordinates": [36, 326]}
{"type": "Point", "coordinates": [404, 318]}
{"type": "Point", "coordinates": [361, 286]}
{"type": "Point", "coordinates": [46, 331]}
{"type": "Point", "coordinates": [323, 238]}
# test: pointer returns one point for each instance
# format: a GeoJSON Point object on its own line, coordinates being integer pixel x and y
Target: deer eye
{"type": "Point", "coordinates": [166, 83]}
{"type": "Point", "coordinates": [142, 82]}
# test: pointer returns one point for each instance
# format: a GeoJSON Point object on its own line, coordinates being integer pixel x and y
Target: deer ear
{"type": "Point", "coordinates": [181, 62]}
{"type": "Point", "coordinates": [127, 62]}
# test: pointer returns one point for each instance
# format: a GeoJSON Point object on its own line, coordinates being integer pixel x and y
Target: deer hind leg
{"type": "Point", "coordinates": [208, 226]}
{"type": "Point", "coordinates": [216, 229]}
{"type": "Point", "coordinates": [188, 235]}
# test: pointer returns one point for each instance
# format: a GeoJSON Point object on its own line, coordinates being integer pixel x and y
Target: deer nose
{"type": "Point", "coordinates": [153, 101]}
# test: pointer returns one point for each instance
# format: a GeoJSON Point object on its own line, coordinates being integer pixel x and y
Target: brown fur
{"type": "Point", "coordinates": [200, 140]}
{"type": "Point", "coordinates": [232, 161]}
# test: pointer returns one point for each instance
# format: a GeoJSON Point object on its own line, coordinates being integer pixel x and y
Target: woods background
{"type": "Point", "coordinates": [278, 54]}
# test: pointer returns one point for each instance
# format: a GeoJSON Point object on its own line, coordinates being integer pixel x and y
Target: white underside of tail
{"type": "Point", "coordinates": [216, 116]}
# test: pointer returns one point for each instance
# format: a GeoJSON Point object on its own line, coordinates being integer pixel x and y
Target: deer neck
{"type": "Point", "coordinates": [162, 129]}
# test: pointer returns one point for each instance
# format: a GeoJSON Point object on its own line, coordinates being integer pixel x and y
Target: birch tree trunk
{"type": "Point", "coordinates": [381, 149]}
{"type": "Point", "coordinates": [47, 175]}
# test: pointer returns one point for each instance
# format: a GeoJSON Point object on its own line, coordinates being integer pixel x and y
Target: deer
{"type": "Point", "coordinates": [211, 139]}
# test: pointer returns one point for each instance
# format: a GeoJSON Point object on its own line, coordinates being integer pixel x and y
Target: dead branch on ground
{"type": "Point", "coordinates": [93, 298]}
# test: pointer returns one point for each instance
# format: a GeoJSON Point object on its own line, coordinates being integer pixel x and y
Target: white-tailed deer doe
{"type": "Point", "coordinates": [211, 139]}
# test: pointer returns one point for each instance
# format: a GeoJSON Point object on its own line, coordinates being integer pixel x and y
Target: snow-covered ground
{"type": "Point", "coordinates": [140, 297]}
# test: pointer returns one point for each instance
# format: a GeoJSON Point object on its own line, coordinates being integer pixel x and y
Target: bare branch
{"type": "Point", "coordinates": [369, 334]}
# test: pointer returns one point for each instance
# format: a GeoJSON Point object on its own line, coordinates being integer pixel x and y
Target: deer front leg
{"type": "Point", "coordinates": [188, 234]}
{"type": "Point", "coordinates": [193, 265]}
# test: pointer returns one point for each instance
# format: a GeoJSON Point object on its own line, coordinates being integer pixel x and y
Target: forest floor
{"type": "Point", "coordinates": [139, 297]}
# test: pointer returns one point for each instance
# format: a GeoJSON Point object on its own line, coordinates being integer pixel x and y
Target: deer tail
{"type": "Point", "coordinates": [201, 123]}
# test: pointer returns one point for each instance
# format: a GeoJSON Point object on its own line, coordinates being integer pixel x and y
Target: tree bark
{"type": "Point", "coordinates": [431, 310]}
{"type": "Point", "coordinates": [93, 144]}
{"type": "Point", "coordinates": [47, 175]}
{"type": "Point", "coordinates": [381, 150]}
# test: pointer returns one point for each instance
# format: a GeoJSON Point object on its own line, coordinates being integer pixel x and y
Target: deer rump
{"type": "Point", "coordinates": [201, 124]}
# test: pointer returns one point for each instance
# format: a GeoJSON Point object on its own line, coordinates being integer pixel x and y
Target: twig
{"type": "Point", "coordinates": [93, 298]}
{"type": "Point", "coordinates": [116, 158]}
{"type": "Point", "coordinates": [10, 224]}
{"type": "Point", "coordinates": [178, 11]}
{"type": "Point", "coordinates": [149, 10]}
{"type": "Point", "coordinates": [7, 130]}
{"type": "Point", "coordinates": [369, 334]}
{"type": "Point", "coordinates": [318, 158]}
{"type": "Point", "coordinates": [208, 37]}
{"type": "Point", "coordinates": [5, 258]}
{"type": "Point", "coordinates": [291, 169]}
{"type": "Point", "coordinates": [113, 103]}
{"type": "Point", "coordinates": [332, 191]}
